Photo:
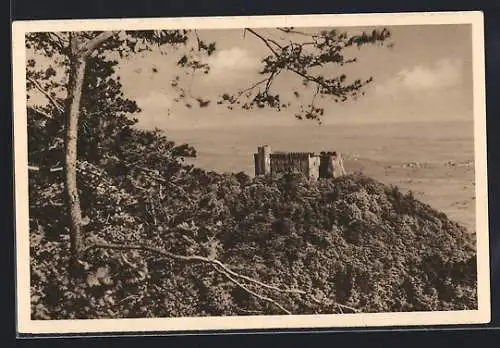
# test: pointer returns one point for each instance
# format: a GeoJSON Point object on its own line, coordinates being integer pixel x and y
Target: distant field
{"type": "Point", "coordinates": [434, 160]}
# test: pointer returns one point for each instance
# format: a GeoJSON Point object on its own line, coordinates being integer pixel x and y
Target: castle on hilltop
{"type": "Point", "coordinates": [313, 166]}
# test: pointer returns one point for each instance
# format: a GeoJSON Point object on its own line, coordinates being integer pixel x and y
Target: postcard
{"type": "Point", "coordinates": [250, 173]}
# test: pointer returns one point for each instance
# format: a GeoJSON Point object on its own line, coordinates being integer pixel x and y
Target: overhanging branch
{"type": "Point", "coordinates": [248, 89]}
{"type": "Point", "coordinates": [263, 39]}
{"type": "Point", "coordinates": [224, 269]}
{"type": "Point", "coordinates": [46, 94]}
{"type": "Point", "coordinates": [251, 292]}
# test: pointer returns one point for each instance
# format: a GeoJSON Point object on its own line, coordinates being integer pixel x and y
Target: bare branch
{"type": "Point", "coordinates": [197, 39]}
{"type": "Point", "coordinates": [271, 40]}
{"type": "Point", "coordinates": [240, 93]}
{"type": "Point", "coordinates": [218, 266]}
{"type": "Point", "coordinates": [266, 41]}
{"type": "Point", "coordinates": [275, 43]}
{"type": "Point", "coordinates": [193, 258]}
{"type": "Point", "coordinates": [343, 306]}
{"type": "Point", "coordinates": [270, 79]}
{"type": "Point", "coordinates": [292, 31]}
{"type": "Point", "coordinates": [40, 111]}
{"type": "Point", "coordinates": [46, 94]}
{"type": "Point", "coordinates": [255, 281]}
{"type": "Point", "coordinates": [228, 273]}
{"type": "Point", "coordinates": [340, 306]}
{"type": "Point", "coordinates": [264, 298]}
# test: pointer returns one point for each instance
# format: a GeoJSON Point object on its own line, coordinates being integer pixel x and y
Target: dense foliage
{"type": "Point", "coordinates": [348, 244]}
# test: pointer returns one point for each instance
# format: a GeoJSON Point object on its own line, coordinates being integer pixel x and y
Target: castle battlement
{"type": "Point", "coordinates": [314, 166]}
{"type": "Point", "coordinates": [292, 154]}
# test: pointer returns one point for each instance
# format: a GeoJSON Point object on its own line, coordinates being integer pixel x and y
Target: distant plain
{"type": "Point", "coordinates": [435, 160]}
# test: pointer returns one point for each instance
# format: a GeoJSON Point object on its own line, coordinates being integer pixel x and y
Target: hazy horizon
{"type": "Point", "coordinates": [426, 75]}
{"type": "Point", "coordinates": [300, 123]}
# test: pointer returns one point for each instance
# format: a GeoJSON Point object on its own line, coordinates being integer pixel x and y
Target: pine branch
{"type": "Point", "coordinates": [304, 75]}
{"type": "Point", "coordinates": [316, 80]}
{"type": "Point", "coordinates": [46, 94]}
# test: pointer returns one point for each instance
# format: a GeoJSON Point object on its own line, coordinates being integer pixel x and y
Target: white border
{"type": "Point", "coordinates": [27, 326]}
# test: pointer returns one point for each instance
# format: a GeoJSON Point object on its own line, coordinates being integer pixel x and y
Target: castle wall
{"type": "Point", "coordinates": [325, 165]}
{"type": "Point", "coordinates": [290, 162]}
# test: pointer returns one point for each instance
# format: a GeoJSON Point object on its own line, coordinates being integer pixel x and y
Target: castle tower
{"type": "Point", "coordinates": [263, 160]}
{"type": "Point", "coordinates": [314, 166]}
{"type": "Point", "coordinates": [331, 165]}
{"type": "Point", "coordinates": [337, 165]}
{"type": "Point", "coordinates": [265, 155]}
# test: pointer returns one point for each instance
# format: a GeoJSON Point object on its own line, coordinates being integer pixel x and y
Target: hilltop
{"type": "Point", "coordinates": [413, 156]}
{"type": "Point", "coordinates": [330, 246]}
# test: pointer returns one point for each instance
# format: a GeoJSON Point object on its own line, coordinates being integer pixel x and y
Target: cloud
{"type": "Point", "coordinates": [156, 108]}
{"type": "Point", "coordinates": [445, 73]}
{"type": "Point", "coordinates": [232, 60]}
{"type": "Point", "coordinates": [154, 100]}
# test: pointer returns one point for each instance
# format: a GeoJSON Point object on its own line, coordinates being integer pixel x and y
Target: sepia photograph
{"type": "Point", "coordinates": [270, 172]}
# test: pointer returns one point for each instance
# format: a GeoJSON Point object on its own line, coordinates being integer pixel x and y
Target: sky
{"type": "Point", "coordinates": [425, 76]}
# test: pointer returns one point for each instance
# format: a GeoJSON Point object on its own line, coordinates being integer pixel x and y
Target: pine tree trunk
{"type": "Point", "coordinates": [75, 87]}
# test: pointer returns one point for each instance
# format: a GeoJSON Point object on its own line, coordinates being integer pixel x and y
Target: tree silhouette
{"type": "Point", "coordinates": [74, 52]}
